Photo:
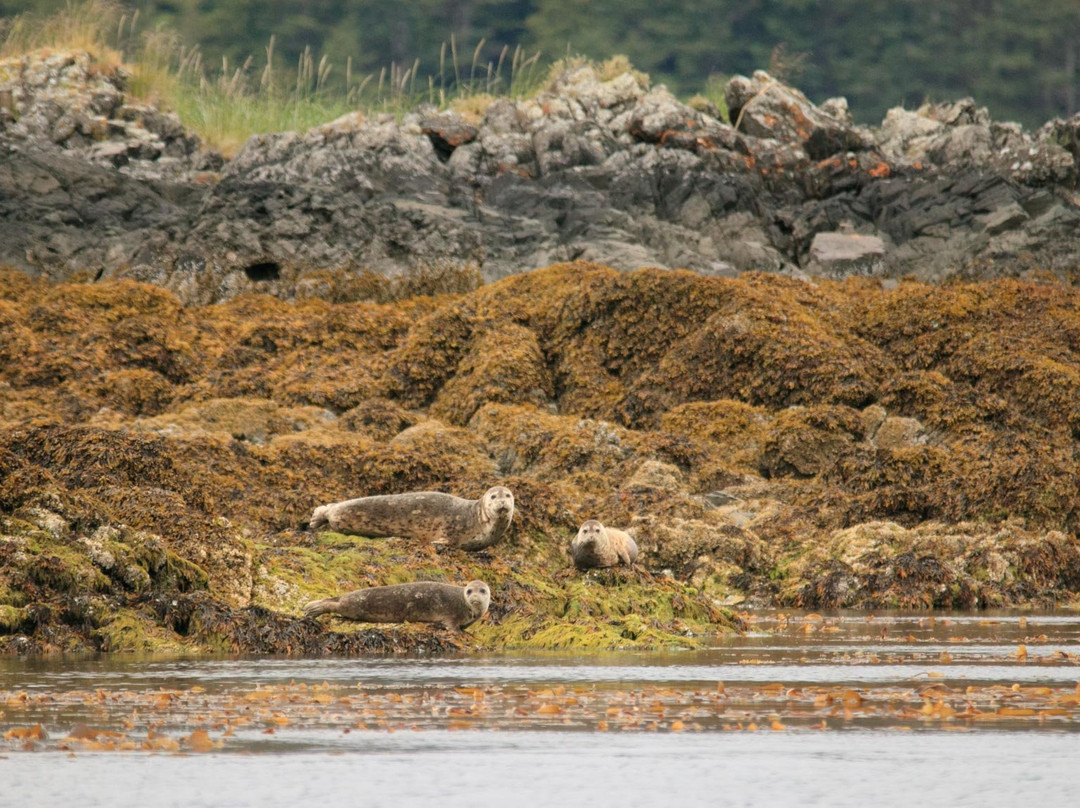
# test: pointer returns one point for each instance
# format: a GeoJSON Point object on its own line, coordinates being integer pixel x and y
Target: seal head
{"type": "Point", "coordinates": [496, 511]}
{"type": "Point", "coordinates": [477, 598]}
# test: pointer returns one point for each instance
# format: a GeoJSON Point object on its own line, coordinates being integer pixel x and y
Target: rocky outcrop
{"type": "Point", "coordinates": [830, 444]}
{"type": "Point", "coordinates": [70, 102]}
{"type": "Point", "coordinates": [594, 167]}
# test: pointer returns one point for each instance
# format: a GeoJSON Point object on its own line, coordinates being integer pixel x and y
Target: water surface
{"type": "Point", "coordinates": [832, 709]}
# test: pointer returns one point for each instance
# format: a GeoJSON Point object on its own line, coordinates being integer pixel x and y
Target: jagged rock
{"type": "Point", "coordinates": [447, 131]}
{"type": "Point", "coordinates": [1062, 133]}
{"type": "Point", "coordinates": [73, 102]}
{"type": "Point", "coordinates": [598, 166]}
{"type": "Point", "coordinates": [1007, 217]}
{"type": "Point", "coordinates": [763, 107]}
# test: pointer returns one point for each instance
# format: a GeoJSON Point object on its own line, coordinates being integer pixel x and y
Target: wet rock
{"type": "Point", "coordinates": [897, 432]}
{"type": "Point", "coordinates": [807, 441]}
{"type": "Point", "coordinates": [655, 475]}
{"type": "Point", "coordinates": [882, 564]}
{"type": "Point", "coordinates": [52, 523]}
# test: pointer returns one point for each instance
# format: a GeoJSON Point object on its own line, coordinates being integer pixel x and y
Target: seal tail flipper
{"type": "Point", "coordinates": [319, 518]}
{"type": "Point", "coordinates": [317, 607]}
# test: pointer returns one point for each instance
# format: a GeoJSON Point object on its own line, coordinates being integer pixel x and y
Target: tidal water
{"type": "Point", "coordinates": [805, 709]}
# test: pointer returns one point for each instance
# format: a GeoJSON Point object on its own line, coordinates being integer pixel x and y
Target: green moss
{"type": "Point", "coordinates": [64, 570]}
{"type": "Point", "coordinates": [129, 631]}
{"type": "Point", "coordinates": [12, 597]}
{"type": "Point", "coordinates": [11, 618]}
{"type": "Point", "coordinates": [533, 607]}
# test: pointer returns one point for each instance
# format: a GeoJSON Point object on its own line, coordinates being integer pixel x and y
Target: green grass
{"type": "Point", "coordinates": [93, 25]}
{"type": "Point", "coordinates": [712, 96]}
{"type": "Point", "coordinates": [225, 104]}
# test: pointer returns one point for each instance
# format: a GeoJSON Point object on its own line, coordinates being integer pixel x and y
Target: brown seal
{"type": "Point", "coordinates": [455, 607]}
{"type": "Point", "coordinates": [468, 524]}
{"type": "Point", "coordinates": [599, 546]}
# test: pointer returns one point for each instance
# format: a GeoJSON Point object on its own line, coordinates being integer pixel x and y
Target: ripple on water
{"type": "Point", "coordinates": [776, 709]}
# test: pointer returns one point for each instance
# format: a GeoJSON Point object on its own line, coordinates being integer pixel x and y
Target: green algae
{"type": "Point", "coordinates": [537, 600]}
{"type": "Point", "coordinates": [12, 618]}
{"type": "Point", "coordinates": [129, 631]}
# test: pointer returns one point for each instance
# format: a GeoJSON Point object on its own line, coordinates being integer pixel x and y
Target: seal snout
{"type": "Point", "coordinates": [590, 529]}
{"type": "Point", "coordinates": [500, 500]}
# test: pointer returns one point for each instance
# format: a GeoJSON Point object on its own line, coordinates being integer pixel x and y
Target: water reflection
{"type": "Point", "coordinates": [790, 671]}
{"type": "Point", "coordinates": [810, 708]}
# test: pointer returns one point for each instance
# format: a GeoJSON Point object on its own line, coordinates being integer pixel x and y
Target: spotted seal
{"type": "Point", "coordinates": [431, 516]}
{"type": "Point", "coordinates": [599, 546]}
{"type": "Point", "coordinates": [454, 607]}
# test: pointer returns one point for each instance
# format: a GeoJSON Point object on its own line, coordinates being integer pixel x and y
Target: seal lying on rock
{"type": "Point", "coordinates": [599, 546]}
{"type": "Point", "coordinates": [455, 607]}
{"type": "Point", "coordinates": [468, 524]}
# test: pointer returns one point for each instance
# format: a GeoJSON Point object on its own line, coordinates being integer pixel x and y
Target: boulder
{"type": "Point", "coordinates": [841, 254]}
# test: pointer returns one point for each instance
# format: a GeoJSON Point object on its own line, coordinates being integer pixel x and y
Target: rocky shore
{"type": "Point", "coordinates": [598, 166]}
{"type": "Point", "coordinates": [806, 419]}
{"type": "Point", "coordinates": [765, 440]}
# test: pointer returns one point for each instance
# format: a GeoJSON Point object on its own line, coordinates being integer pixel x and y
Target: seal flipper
{"type": "Point", "coordinates": [317, 607]}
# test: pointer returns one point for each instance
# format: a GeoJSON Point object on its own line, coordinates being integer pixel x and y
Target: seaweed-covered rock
{"type": "Point", "coordinates": [826, 443]}
{"type": "Point", "coordinates": [882, 564]}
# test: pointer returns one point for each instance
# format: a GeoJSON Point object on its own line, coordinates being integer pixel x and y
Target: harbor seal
{"type": "Point", "coordinates": [442, 519]}
{"type": "Point", "coordinates": [455, 607]}
{"type": "Point", "coordinates": [599, 546]}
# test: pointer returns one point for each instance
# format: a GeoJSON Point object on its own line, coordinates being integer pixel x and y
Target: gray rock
{"type": "Point", "coordinates": [1007, 217]}
{"type": "Point", "coordinates": [840, 254]}
{"type": "Point", "coordinates": [763, 107]}
{"type": "Point", "coordinates": [595, 167]}
{"type": "Point", "coordinates": [70, 102]}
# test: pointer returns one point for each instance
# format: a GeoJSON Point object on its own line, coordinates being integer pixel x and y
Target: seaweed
{"type": "Point", "coordinates": [754, 434]}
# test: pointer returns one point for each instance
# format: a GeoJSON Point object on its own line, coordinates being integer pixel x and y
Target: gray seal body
{"type": "Point", "coordinates": [454, 607]}
{"type": "Point", "coordinates": [599, 546]}
{"type": "Point", "coordinates": [430, 516]}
